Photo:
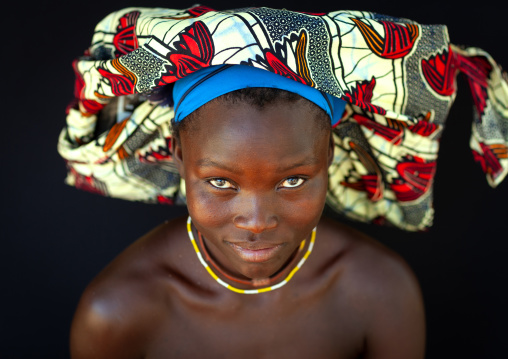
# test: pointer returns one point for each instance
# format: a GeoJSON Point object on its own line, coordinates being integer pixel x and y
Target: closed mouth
{"type": "Point", "coordinates": [256, 252]}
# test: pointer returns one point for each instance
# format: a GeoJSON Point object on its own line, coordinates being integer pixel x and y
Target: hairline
{"type": "Point", "coordinates": [235, 97]}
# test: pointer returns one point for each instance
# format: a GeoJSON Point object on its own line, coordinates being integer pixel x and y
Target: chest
{"type": "Point", "coordinates": [295, 328]}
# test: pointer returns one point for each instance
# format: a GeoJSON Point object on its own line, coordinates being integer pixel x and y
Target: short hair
{"type": "Point", "coordinates": [259, 97]}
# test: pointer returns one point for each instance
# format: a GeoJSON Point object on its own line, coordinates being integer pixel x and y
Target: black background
{"type": "Point", "coordinates": [55, 239]}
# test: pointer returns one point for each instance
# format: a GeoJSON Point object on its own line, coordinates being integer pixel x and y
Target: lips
{"type": "Point", "coordinates": [256, 253]}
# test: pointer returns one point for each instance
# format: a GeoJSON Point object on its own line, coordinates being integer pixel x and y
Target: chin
{"type": "Point", "coordinates": [265, 269]}
{"type": "Point", "coordinates": [260, 271]}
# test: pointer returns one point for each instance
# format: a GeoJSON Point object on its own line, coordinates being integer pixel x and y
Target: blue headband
{"type": "Point", "coordinates": [200, 87]}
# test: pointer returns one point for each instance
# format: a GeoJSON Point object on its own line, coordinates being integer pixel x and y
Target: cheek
{"type": "Point", "coordinates": [206, 209]}
{"type": "Point", "coordinates": [307, 209]}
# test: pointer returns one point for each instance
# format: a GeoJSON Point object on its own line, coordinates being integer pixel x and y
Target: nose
{"type": "Point", "coordinates": [256, 213]}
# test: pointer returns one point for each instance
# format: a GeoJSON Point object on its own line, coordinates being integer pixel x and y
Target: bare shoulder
{"type": "Point", "coordinates": [363, 255]}
{"type": "Point", "coordinates": [367, 262]}
{"type": "Point", "coordinates": [122, 305]}
{"type": "Point", "coordinates": [384, 289]}
{"type": "Point", "coordinates": [370, 260]}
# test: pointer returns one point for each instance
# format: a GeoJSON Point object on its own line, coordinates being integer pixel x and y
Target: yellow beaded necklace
{"type": "Point", "coordinates": [251, 291]}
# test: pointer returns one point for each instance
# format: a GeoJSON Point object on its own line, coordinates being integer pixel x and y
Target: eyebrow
{"type": "Point", "coordinates": [309, 161]}
{"type": "Point", "coordinates": [207, 162]}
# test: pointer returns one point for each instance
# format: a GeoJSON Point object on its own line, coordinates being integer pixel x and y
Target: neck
{"type": "Point", "coordinates": [245, 282]}
{"type": "Point", "coordinates": [289, 268]}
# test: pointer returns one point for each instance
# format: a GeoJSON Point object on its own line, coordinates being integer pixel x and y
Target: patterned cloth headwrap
{"type": "Point", "coordinates": [200, 87]}
{"type": "Point", "coordinates": [397, 77]}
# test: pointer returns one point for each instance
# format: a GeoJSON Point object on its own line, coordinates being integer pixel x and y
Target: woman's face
{"type": "Point", "coordinates": [256, 181]}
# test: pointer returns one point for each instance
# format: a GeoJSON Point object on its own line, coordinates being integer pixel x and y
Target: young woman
{"type": "Point", "coordinates": [255, 271]}
{"type": "Point", "coordinates": [255, 165]}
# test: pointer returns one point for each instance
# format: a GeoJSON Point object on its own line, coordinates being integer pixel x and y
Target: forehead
{"type": "Point", "coordinates": [275, 131]}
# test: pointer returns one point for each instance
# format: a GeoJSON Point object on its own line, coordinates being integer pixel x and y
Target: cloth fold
{"type": "Point", "coordinates": [398, 78]}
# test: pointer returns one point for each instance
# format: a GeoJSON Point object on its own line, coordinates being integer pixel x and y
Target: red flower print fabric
{"type": "Point", "coordinates": [397, 77]}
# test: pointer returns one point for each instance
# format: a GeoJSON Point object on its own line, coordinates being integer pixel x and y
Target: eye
{"type": "Point", "coordinates": [292, 182]}
{"type": "Point", "coordinates": [220, 183]}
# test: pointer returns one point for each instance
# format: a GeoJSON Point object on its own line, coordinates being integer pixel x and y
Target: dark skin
{"type": "Point", "coordinates": [256, 184]}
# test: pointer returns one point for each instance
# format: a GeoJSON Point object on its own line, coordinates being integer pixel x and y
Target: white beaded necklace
{"type": "Point", "coordinates": [250, 291]}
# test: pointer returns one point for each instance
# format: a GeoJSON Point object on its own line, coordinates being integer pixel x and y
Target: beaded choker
{"type": "Point", "coordinates": [253, 282]}
{"type": "Point", "coordinates": [251, 291]}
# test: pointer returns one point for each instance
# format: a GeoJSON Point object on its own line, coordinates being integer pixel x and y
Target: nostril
{"type": "Point", "coordinates": [255, 224]}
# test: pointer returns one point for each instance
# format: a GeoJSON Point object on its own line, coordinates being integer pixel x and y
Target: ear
{"type": "Point", "coordinates": [331, 149]}
{"type": "Point", "coordinates": [178, 156]}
